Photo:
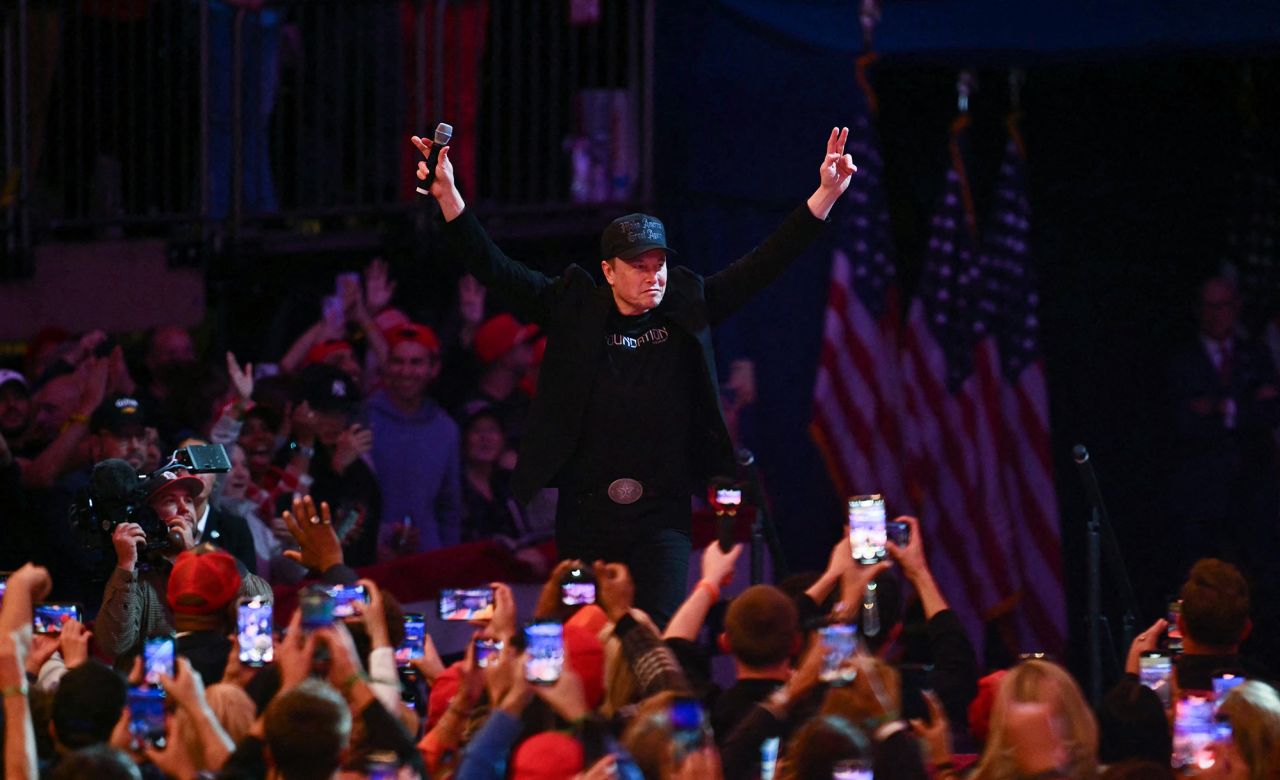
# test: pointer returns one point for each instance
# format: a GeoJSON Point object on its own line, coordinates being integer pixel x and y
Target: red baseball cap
{"type": "Point", "coordinates": [323, 350]}
{"type": "Point", "coordinates": [498, 335]}
{"type": "Point", "coordinates": [202, 583]}
{"type": "Point", "coordinates": [586, 657]}
{"type": "Point", "coordinates": [550, 755]}
{"type": "Point", "coordinates": [412, 331]}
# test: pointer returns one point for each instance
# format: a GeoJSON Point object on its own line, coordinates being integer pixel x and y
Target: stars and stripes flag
{"type": "Point", "coordinates": [857, 394]}
{"type": "Point", "coordinates": [953, 431]}
{"type": "Point", "coordinates": [1027, 462]}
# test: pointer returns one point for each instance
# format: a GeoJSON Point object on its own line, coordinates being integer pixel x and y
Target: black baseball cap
{"type": "Point", "coordinates": [118, 414]}
{"type": "Point", "coordinates": [633, 235]}
{"type": "Point", "coordinates": [328, 389]}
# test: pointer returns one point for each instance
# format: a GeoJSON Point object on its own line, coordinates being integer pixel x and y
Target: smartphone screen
{"type": "Point", "coordinates": [898, 532]}
{"type": "Point", "coordinates": [415, 632]}
{"type": "Point", "coordinates": [544, 644]}
{"type": "Point", "coordinates": [157, 658]}
{"type": "Point", "coordinates": [851, 770]}
{"type": "Point", "coordinates": [1194, 730]}
{"type": "Point", "coordinates": [50, 618]}
{"type": "Point", "coordinates": [578, 587]}
{"type": "Point", "coordinates": [867, 532]}
{"type": "Point", "coordinates": [4, 579]}
{"type": "Point", "coordinates": [1173, 635]}
{"type": "Point", "coordinates": [254, 632]}
{"type": "Point", "coordinates": [769, 757]}
{"type": "Point", "coordinates": [1223, 683]}
{"type": "Point", "coordinates": [317, 608]}
{"type": "Point", "coordinates": [1155, 671]}
{"type": "Point", "coordinates": [466, 603]}
{"type": "Point", "coordinates": [146, 715]}
{"type": "Point", "coordinates": [486, 651]}
{"type": "Point", "coordinates": [688, 729]}
{"type": "Point", "coordinates": [729, 496]}
{"type": "Point", "coordinates": [839, 645]}
{"type": "Point", "coordinates": [345, 598]}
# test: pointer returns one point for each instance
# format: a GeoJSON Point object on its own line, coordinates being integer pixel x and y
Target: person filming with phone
{"type": "Point", "coordinates": [135, 603]}
{"type": "Point", "coordinates": [627, 418]}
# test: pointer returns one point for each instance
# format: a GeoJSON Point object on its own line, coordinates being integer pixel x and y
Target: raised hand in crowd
{"type": "Point", "coordinates": [378, 285]}
{"type": "Point", "coordinates": [241, 379]}
{"type": "Point", "coordinates": [1146, 642]}
{"type": "Point", "coordinates": [24, 587]}
{"type": "Point", "coordinates": [429, 666]}
{"type": "Point", "coordinates": [503, 623]}
{"type": "Point", "coordinates": [471, 295]}
{"type": "Point", "coordinates": [85, 347]}
{"type": "Point", "coordinates": [505, 683]}
{"type": "Point", "coordinates": [119, 380]}
{"type": "Point", "coordinates": [374, 616]}
{"type": "Point", "coordinates": [934, 734]}
{"type": "Point", "coordinates": [566, 696]}
{"type": "Point", "coordinates": [319, 546]}
{"type": "Point", "coordinates": [838, 562]}
{"type": "Point", "coordinates": [353, 443]}
{"type": "Point", "coordinates": [186, 690]}
{"type": "Point", "coordinates": [294, 652]}
{"type": "Point", "coordinates": [549, 605]}
{"type": "Point", "coordinates": [912, 560]}
{"type": "Point", "coordinates": [43, 646]}
{"type": "Point", "coordinates": [717, 571]}
{"type": "Point", "coordinates": [615, 591]}
{"type": "Point", "coordinates": [73, 643]}
{"type": "Point", "coordinates": [346, 672]}
{"type": "Point", "coordinates": [62, 454]}
{"type": "Point", "coordinates": [853, 587]}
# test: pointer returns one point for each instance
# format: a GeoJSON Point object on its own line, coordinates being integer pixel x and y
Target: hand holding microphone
{"type": "Point", "coordinates": [436, 153]}
{"type": "Point", "coordinates": [435, 172]}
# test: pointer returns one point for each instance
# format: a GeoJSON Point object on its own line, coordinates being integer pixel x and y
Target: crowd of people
{"type": "Point", "coordinates": [629, 699]}
{"type": "Point", "coordinates": [410, 437]}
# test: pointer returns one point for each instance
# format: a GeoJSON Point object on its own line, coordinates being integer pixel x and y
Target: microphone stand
{"type": "Point", "coordinates": [1102, 538]}
{"type": "Point", "coordinates": [763, 531]}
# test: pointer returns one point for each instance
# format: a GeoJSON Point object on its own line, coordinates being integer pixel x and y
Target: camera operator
{"type": "Point", "coordinates": [134, 604]}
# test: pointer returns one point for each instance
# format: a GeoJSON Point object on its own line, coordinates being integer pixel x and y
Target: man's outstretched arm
{"type": "Point", "coordinates": [466, 240]}
{"type": "Point", "coordinates": [729, 289]}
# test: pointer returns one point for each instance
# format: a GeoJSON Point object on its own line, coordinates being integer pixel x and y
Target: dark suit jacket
{"type": "Point", "coordinates": [231, 533]}
{"type": "Point", "coordinates": [574, 311]}
{"type": "Point", "coordinates": [1203, 438]}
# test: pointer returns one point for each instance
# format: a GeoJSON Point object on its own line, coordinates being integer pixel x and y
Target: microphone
{"type": "Point", "coordinates": [113, 480]}
{"type": "Point", "coordinates": [1089, 477]}
{"type": "Point", "coordinates": [442, 136]}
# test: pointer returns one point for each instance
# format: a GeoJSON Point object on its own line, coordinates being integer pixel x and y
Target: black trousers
{"type": "Point", "coordinates": [650, 536]}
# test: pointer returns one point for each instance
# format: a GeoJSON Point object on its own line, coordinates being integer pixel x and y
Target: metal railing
{"type": "Point", "coordinates": [155, 117]}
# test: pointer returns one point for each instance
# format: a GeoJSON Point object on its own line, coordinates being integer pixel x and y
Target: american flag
{"type": "Point", "coordinates": [857, 395]}
{"type": "Point", "coordinates": [953, 433]}
{"type": "Point", "coordinates": [1027, 463]}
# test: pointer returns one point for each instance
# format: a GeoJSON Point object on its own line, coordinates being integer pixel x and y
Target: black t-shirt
{"type": "Point", "coordinates": [737, 702]}
{"type": "Point", "coordinates": [639, 414]}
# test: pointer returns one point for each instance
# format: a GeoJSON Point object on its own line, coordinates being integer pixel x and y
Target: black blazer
{"type": "Point", "coordinates": [231, 533]}
{"type": "Point", "coordinates": [573, 312]}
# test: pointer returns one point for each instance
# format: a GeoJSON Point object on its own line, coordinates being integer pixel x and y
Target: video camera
{"type": "Point", "coordinates": [117, 494]}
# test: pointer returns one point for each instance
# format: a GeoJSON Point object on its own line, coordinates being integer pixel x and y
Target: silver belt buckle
{"type": "Point", "coordinates": [625, 491]}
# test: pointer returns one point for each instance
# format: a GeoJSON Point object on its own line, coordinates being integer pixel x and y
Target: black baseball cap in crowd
{"type": "Point", "coordinates": [633, 235]}
{"type": "Point", "coordinates": [119, 414]}
{"type": "Point", "coordinates": [328, 389]}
